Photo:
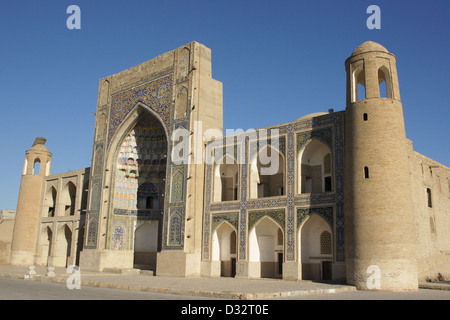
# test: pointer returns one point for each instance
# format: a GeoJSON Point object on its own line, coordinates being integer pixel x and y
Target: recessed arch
{"type": "Point", "coordinates": [384, 82]}
{"type": "Point", "coordinates": [50, 202]}
{"type": "Point", "coordinates": [146, 244]}
{"type": "Point", "coordinates": [267, 173]}
{"type": "Point", "coordinates": [315, 250]}
{"type": "Point", "coordinates": [226, 180]}
{"type": "Point", "coordinates": [265, 252]}
{"type": "Point", "coordinates": [137, 157]}
{"type": "Point", "coordinates": [127, 124]}
{"type": "Point", "coordinates": [137, 162]}
{"type": "Point", "coordinates": [68, 197]}
{"type": "Point", "coordinates": [315, 168]}
{"type": "Point", "coordinates": [84, 197]}
{"type": "Point", "coordinates": [37, 166]}
{"type": "Point", "coordinates": [224, 248]}
{"type": "Point", "coordinates": [45, 245]}
{"type": "Point", "coordinates": [63, 246]}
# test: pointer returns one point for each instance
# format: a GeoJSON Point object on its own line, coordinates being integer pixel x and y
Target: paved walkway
{"type": "Point", "coordinates": [220, 288]}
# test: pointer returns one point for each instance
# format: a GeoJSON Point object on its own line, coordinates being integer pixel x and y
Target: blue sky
{"type": "Point", "coordinates": [278, 60]}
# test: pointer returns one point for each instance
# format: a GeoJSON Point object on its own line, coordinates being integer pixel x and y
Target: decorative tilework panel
{"type": "Point", "coordinates": [290, 231]}
{"type": "Point", "coordinates": [141, 166]}
{"type": "Point", "coordinates": [177, 192]}
{"type": "Point", "coordinates": [156, 94]}
{"type": "Point", "coordinates": [175, 233]}
{"type": "Point", "coordinates": [92, 225]}
{"type": "Point", "coordinates": [119, 236]}
{"type": "Point", "coordinates": [277, 215]}
{"type": "Point", "coordinates": [98, 160]}
{"type": "Point", "coordinates": [95, 195]}
{"type": "Point", "coordinates": [326, 213]}
{"type": "Point", "coordinates": [243, 211]}
{"type": "Point", "coordinates": [325, 135]}
{"type": "Point", "coordinates": [207, 213]}
{"type": "Point", "coordinates": [230, 217]}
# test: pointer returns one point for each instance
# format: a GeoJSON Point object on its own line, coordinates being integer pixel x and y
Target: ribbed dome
{"type": "Point", "coordinates": [369, 46]}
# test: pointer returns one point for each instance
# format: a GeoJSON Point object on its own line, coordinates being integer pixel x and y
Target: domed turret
{"type": "Point", "coordinates": [369, 46]}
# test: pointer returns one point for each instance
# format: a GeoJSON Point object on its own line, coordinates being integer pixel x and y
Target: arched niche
{"type": "Point", "coordinates": [315, 248]}
{"type": "Point", "coordinates": [226, 180]}
{"type": "Point", "coordinates": [384, 82]}
{"type": "Point", "coordinates": [45, 246]}
{"type": "Point", "coordinates": [50, 202]}
{"type": "Point", "coordinates": [224, 249]}
{"type": "Point", "coordinates": [266, 248]}
{"type": "Point", "coordinates": [67, 199]}
{"type": "Point", "coordinates": [315, 168]}
{"type": "Point", "coordinates": [63, 246]}
{"type": "Point", "coordinates": [146, 244]}
{"type": "Point", "coordinates": [267, 174]}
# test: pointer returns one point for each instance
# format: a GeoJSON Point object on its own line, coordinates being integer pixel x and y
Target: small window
{"type": "Point", "coordinates": [280, 263]}
{"type": "Point", "coordinates": [327, 163]}
{"type": "Point", "coordinates": [430, 204]}
{"type": "Point", "coordinates": [325, 243]}
{"type": "Point", "coordinates": [366, 172]}
{"type": "Point", "coordinates": [150, 202]}
{"type": "Point", "coordinates": [384, 82]}
{"type": "Point", "coordinates": [37, 166]}
{"type": "Point", "coordinates": [328, 186]}
{"type": "Point", "coordinates": [365, 117]}
{"type": "Point", "coordinates": [383, 89]}
{"type": "Point", "coordinates": [361, 92]}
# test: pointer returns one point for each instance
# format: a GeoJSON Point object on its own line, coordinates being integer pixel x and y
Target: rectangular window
{"type": "Point", "coordinates": [328, 186]}
{"type": "Point", "coordinates": [280, 263]}
{"type": "Point", "coordinates": [430, 204]}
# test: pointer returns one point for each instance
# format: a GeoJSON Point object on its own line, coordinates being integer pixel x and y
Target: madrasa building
{"type": "Point", "coordinates": [336, 196]}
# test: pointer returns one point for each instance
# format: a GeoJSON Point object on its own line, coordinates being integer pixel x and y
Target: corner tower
{"type": "Point", "coordinates": [380, 242]}
{"type": "Point", "coordinates": [36, 168]}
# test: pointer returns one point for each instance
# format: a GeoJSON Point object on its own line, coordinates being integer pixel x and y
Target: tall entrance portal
{"type": "Point", "coordinates": [139, 186]}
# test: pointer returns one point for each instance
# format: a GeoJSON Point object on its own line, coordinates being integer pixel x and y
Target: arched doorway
{"type": "Point", "coordinates": [45, 246]}
{"type": "Point", "coordinates": [63, 246]}
{"type": "Point", "coordinates": [139, 186]}
{"type": "Point", "coordinates": [224, 248]}
{"type": "Point", "coordinates": [266, 249]}
{"type": "Point", "coordinates": [146, 244]}
{"type": "Point", "coordinates": [316, 249]}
